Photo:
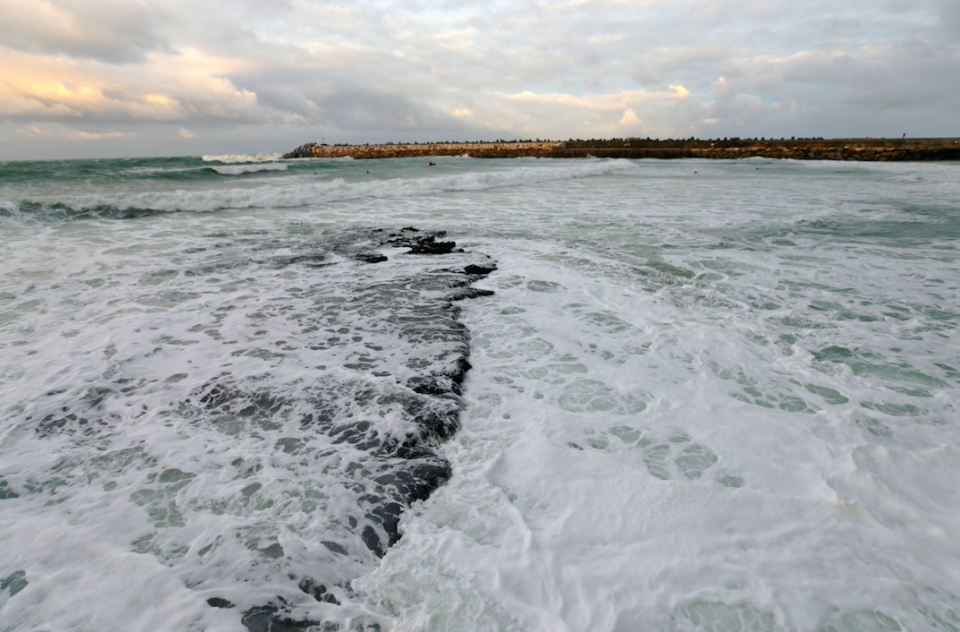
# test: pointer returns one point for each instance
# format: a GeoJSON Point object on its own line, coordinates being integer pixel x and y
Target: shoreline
{"type": "Point", "coordinates": [853, 149]}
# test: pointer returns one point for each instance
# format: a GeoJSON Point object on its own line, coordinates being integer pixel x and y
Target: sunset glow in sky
{"type": "Point", "coordinates": [83, 78]}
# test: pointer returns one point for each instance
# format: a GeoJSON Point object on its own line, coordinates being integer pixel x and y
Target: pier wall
{"type": "Point", "coordinates": [476, 150]}
{"type": "Point", "coordinates": [859, 149]}
{"type": "Point", "coordinates": [863, 149]}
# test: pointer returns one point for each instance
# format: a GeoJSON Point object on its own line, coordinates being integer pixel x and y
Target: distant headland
{"type": "Point", "coordinates": [864, 149]}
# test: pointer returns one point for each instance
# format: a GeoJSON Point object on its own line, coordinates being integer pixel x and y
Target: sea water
{"type": "Point", "coordinates": [713, 396]}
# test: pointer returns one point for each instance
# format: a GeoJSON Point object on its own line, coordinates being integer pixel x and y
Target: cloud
{"type": "Point", "coordinates": [283, 71]}
{"type": "Point", "coordinates": [629, 117]}
{"type": "Point", "coordinates": [102, 135]}
{"type": "Point", "coordinates": [57, 133]}
{"type": "Point", "coordinates": [113, 31]}
{"type": "Point", "coordinates": [54, 88]}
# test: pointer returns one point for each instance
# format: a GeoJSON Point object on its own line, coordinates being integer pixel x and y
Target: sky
{"type": "Point", "coordinates": [113, 78]}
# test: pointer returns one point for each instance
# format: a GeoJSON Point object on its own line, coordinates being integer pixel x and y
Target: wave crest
{"type": "Point", "coordinates": [290, 195]}
{"type": "Point", "coordinates": [238, 158]}
{"type": "Point", "coordinates": [235, 170]}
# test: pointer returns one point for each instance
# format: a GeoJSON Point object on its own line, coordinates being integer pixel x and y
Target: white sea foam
{"type": "Point", "coordinates": [665, 439]}
{"type": "Point", "coordinates": [234, 158]}
{"type": "Point", "coordinates": [171, 466]}
{"type": "Point", "coordinates": [304, 192]}
{"type": "Point", "coordinates": [723, 401]}
{"type": "Point", "coordinates": [240, 169]}
{"type": "Point", "coordinates": [694, 496]}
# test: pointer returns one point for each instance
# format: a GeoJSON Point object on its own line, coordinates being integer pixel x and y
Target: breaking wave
{"type": "Point", "coordinates": [239, 158]}
{"type": "Point", "coordinates": [235, 170]}
{"type": "Point", "coordinates": [290, 195]}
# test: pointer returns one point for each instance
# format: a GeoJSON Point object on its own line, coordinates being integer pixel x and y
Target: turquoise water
{"type": "Point", "coordinates": [703, 396]}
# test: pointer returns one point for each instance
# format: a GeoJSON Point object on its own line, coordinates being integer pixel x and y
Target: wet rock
{"type": "Point", "coordinates": [6, 492]}
{"type": "Point", "coordinates": [318, 592]}
{"type": "Point", "coordinates": [472, 292]}
{"type": "Point", "coordinates": [371, 257]}
{"type": "Point", "coordinates": [422, 243]}
{"type": "Point", "coordinates": [14, 582]}
{"type": "Point", "coordinates": [373, 422]}
{"type": "Point", "coordinates": [218, 602]}
{"type": "Point", "coordinates": [270, 619]}
{"type": "Point", "coordinates": [480, 270]}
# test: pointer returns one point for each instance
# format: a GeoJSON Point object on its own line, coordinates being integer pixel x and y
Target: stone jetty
{"type": "Point", "coordinates": [477, 150]}
{"type": "Point", "coordinates": [859, 149]}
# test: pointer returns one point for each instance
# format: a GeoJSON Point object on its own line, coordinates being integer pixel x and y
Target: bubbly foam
{"type": "Point", "coordinates": [262, 455]}
{"type": "Point", "coordinates": [235, 158]}
{"type": "Point", "coordinates": [698, 402]}
{"type": "Point", "coordinates": [240, 169]}
{"type": "Point", "coordinates": [302, 192]}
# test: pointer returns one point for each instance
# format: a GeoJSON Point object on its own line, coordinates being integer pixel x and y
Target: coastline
{"type": "Point", "coordinates": [853, 149]}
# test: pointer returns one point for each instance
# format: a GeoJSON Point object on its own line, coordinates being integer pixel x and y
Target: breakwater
{"type": "Point", "coordinates": [863, 149]}
{"type": "Point", "coordinates": [408, 150]}
{"type": "Point", "coordinates": [860, 149]}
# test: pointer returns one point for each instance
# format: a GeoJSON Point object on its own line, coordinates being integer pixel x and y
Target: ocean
{"type": "Point", "coordinates": [244, 394]}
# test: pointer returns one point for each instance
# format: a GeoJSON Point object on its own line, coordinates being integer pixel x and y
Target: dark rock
{"type": "Point", "coordinates": [401, 352]}
{"type": "Point", "coordinates": [5, 492]}
{"type": "Point", "coordinates": [422, 244]}
{"type": "Point", "coordinates": [318, 591]}
{"type": "Point", "coordinates": [418, 482]}
{"type": "Point", "coordinates": [268, 619]}
{"type": "Point", "coordinates": [432, 247]}
{"type": "Point", "coordinates": [480, 270]}
{"type": "Point", "coordinates": [310, 260]}
{"type": "Point", "coordinates": [472, 292]}
{"type": "Point", "coordinates": [370, 257]}
{"type": "Point", "coordinates": [308, 150]}
{"type": "Point", "coordinates": [218, 602]}
{"type": "Point", "coordinates": [15, 582]}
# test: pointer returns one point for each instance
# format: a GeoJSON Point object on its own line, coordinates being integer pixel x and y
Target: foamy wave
{"type": "Point", "coordinates": [294, 195]}
{"type": "Point", "coordinates": [235, 158]}
{"type": "Point", "coordinates": [248, 168]}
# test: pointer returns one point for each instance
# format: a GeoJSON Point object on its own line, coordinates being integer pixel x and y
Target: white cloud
{"type": "Point", "coordinates": [251, 71]}
{"type": "Point", "coordinates": [178, 89]}
{"type": "Point", "coordinates": [58, 133]}
{"type": "Point", "coordinates": [629, 117]}
{"type": "Point", "coordinates": [107, 30]}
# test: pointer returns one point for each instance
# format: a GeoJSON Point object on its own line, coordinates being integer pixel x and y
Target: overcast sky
{"type": "Point", "coordinates": [93, 78]}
